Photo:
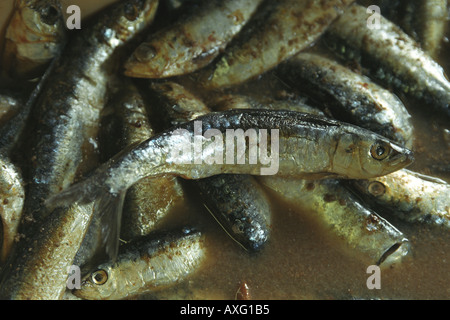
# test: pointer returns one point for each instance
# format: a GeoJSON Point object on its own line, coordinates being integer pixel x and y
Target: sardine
{"type": "Point", "coordinates": [302, 146]}
{"type": "Point", "coordinates": [237, 202]}
{"type": "Point", "coordinates": [35, 35]}
{"type": "Point", "coordinates": [282, 29]}
{"type": "Point", "coordinates": [191, 43]}
{"type": "Point", "coordinates": [337, 208]}
{"type": "Point", "coordinates": [146, 265]}
{"type": "Point", "coordinates": [350, 96]}
{"type": "Point", "coordinates": [67, 116]}
{"type": "Point", "coordinates": [38, 265]}
{"type": "Point", "coordinates": [340, 150]}
{"type": "Point", "coordinates": [409, 195]}
{"type": "Point", "coordinates": [390, 56]}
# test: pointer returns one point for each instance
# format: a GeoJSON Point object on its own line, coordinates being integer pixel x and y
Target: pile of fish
{"type": "Point", "coordinates": [87, 144]}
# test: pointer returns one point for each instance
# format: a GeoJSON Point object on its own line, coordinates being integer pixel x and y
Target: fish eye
{"type": "Point", "coordinates": [131, 12]}
{"type": "Point", "coordinates": [50, 15]}
{"type": "Point", "coordinates": [380, 150]}
{"type": "Point", "coordinates": [99, 277]}
{"type": "Point", "coordinates": [376, 188]}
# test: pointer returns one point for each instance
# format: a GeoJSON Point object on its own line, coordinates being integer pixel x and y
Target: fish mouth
{"type": "Point", "coordinates": [395, 253]}
{"type": "Point", "coordinates": [403, 158]}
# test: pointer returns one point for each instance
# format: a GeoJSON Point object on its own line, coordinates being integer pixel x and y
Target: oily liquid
{"type": "Point", "coordinates": [304, 259]}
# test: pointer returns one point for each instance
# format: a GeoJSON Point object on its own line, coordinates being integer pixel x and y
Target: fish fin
{"type": "Point", "coordinates": [110, 206]}
{"type": "Point", "coordinates": [107, 205]}
{"type": "Point", "coordinates": [85, 191]}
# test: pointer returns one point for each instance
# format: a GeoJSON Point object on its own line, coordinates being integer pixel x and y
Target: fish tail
{"type": "Point", "coordinates": [110, 206]}
{"type": "Point", "coordinates": [82, 192]}
{"type": "Point", "coordinates": [107, 206]}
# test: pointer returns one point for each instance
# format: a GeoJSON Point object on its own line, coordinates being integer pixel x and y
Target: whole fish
{"type": "Point", "coordinates": [302, 145]}
{"type": "Point", "coordinates": [282, 29]}
{"type": "Point", "coordinates": [74, 98]}
{"type": "Point", "coordinates": [192, 42]}
{"type": "Point", "coordinates": [351, 97]}
{"type": "Point", "coordinates": [146, 265]}
{"type": "Point", "coordinates": [340, 150]}
{"type": "Point", "coordinates": [38, 265]}
{"type": "Point", "coordinates": [409, 195]}
{"type": "Point", "coordinates": [237, 202]}
{"type": "Point", "coordinates": [35, 35]}
{"type": "Point", "coordinates": [337, 208]}
{"type": "Point", "coordinates": [390, 56]}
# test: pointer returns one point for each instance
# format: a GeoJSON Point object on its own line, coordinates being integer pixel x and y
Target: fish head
{"type": "Point", "coordinates": [36, 34]}
{"type": "Point", "coordinates": [98, 285]}
{"type": "Point", "coordinates": [44, 18]}
{"type": "Point", "coordinates": [127, 19]}
{"type": "Point", "coordinates": [362, 154]}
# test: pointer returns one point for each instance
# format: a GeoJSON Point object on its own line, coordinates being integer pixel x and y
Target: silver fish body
{"type": "Point", "coordinates": [191, 43]}
{"type": "Point", "coordinates": [282, 29]}
{"type": "Point", "coordinates": [351, 97]}
{"type": "Point", "coordinates": [410, 196]}
{"type": "Point", "coordinates": [391, 56]}
{"type": "Point", "coordinates": [308, 147]}
{"type": "Point", "coordinates": [337, 208]}
{"type": "Point", "coordinates": [146, 266]}
{"type": "Point", "coordinates": [35, 35]}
